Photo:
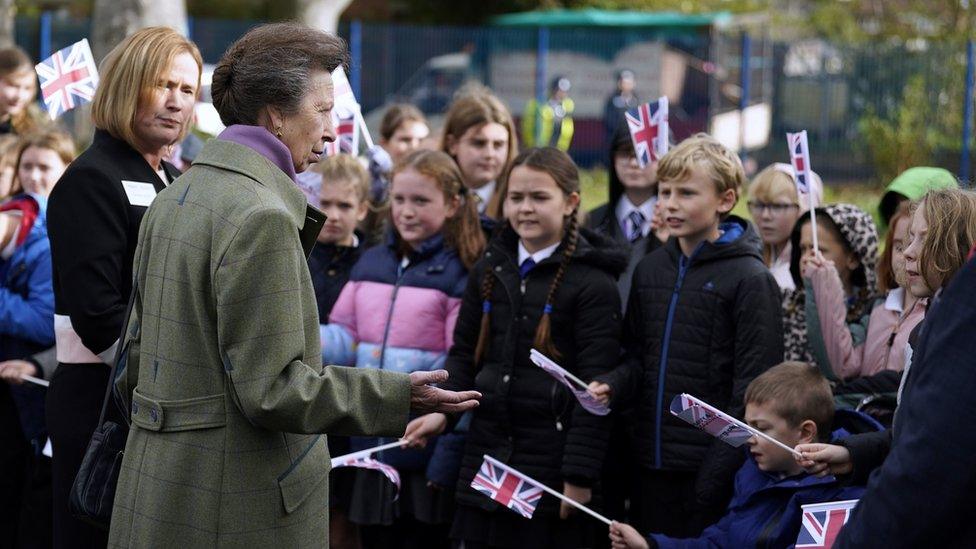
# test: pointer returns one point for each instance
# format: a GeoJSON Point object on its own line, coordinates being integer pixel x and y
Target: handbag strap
{"type": "Point", "coordinates": [118, 355]}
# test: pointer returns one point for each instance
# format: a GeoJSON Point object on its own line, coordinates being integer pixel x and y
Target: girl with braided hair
{"type": "Point", "coordinates": [544, 283]}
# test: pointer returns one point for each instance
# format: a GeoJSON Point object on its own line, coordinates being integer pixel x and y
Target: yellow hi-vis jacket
{"type": "Point", "coordinates": [541, 137]}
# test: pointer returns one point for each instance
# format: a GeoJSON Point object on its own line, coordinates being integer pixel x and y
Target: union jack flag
{"type": "Point", "coordinates": [342, 90]}
{"type": "Point", "coordinates": [712, 421]}
{"type": "Point", "coordinates": [347, 133]}
{"type": "Point", "coordinates": [68, 78]}
{"type": "Point", "coordinates": [366, 462]}
{"type": "Point", "coordinates": [822, 522]}
{"type": "Point", "coordinates": [800, 157]}
{"type": "Point", "coordinates": [648, 125]}
{"type": "Point", "coordinates": [507, 486]}
{"type": "Point", "coordinates": [586, 400]}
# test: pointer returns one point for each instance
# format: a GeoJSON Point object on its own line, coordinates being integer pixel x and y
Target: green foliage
{"type": "Point", "coordinates": [905, 140]}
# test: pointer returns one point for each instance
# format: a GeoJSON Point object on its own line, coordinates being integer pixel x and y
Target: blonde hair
{"type": "Point", "coordinates": [462, 231]}
{"type": "Point", "coordinates": [474, 109]}
{"type": "Point", "coordinates": [703, 151]}
{"type": "Point", "coordinates": [951, 218]}
{"type": "Point", "coordinates": [15, 61]}
{"type": "Point", "coordinates": [129, 77]}
{"type": "Point", "coordinates": [771, 183]}
{"type": "Point", "coordinates": [344, 168]}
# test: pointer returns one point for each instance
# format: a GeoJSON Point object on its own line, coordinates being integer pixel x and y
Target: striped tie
{"type": "Point", "coordinates": [636, 225]}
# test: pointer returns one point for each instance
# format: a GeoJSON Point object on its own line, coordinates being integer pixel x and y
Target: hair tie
{"type": "Point", "coordinates": [547, 309]}
{"type": "Point", "coordinates": [486, 306]}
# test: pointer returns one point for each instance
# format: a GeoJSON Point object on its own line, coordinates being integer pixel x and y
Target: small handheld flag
{"type": "Point", "coordinates": [575, 384]}
{"type": "Point", "coordinates": [347, 133]}
{"type": "Point", "coordinates": [68, 78]}
{"type": "Point", "coordinates": [518, 491]}
{"type": "Point", "coordinates": [821, 523]}
{"type": "Point", "coordinates": [508, 487]}
{"type": "Point", "coordinates": [717, 423]}
{"type": "Point", "coordinates": [803, 174]}
{"type": "Point", "coordinates": [345, 102]}
{"type": "Point", "coordinates": [648, 125]}
{"type": "Point", "coordinates": [363, 460]}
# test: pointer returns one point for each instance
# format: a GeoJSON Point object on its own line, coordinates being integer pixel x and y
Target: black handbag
{"type": "Point", "coordinates": [93, 491]}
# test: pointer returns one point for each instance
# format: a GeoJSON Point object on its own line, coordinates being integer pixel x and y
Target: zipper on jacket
{"type": "Point", "coordinates": [683, 265]}
{"type": "Point", "coordinates": [401, 271]}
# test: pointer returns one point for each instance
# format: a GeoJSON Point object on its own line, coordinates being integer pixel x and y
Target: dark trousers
{"type": "Point", "coordinates": [74, 401]}
{"type": "Point", "coordinates": [666, 503]}
{"type": "Point", "coordinates": [14, 457]}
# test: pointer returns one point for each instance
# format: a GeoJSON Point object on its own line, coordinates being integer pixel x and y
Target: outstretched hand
{"type": "Point", "coordinates": [424, 397]}
{"type": "Point", "coordinates": [825, 459]}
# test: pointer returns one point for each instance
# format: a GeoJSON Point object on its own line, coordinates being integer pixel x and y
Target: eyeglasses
{"type": "Point", "coordinates": [757, 208]}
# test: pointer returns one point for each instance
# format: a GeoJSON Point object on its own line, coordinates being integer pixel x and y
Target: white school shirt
{"type": "Point", "coordinates": [524, 254]}
{"type": "Point", "coordinates": [625, 206]}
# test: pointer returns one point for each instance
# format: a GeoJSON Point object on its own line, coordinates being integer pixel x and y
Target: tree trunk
{"type": "Point", "coordinates": [113, 20]}
{"type": "Point", "coordinates": [322, 14]}
{"type": "Point", "coordinates": [7, 13]}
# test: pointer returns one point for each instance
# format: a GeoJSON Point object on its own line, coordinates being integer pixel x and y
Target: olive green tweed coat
{"type": "Point", "coordinates": [223, 369]}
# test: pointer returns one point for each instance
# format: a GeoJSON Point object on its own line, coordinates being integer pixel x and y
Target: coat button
{"type": "Point", "coordinates": [498, 268]}
{"type": "Point", "coordinates": [506, 377]}
{"type": "Point", "coordinates": [331, 272]}
{"type": "Point", "coordinates": [153, 415]}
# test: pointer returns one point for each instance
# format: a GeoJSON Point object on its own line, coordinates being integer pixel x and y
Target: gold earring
{"type": "Point", "coordinates": [278, 132]}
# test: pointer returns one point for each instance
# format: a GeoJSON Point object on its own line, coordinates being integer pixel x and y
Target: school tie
{"type": "Point", "coordinates": [526, 266]}
{"type": "Point", "coordinates": [636, 225]}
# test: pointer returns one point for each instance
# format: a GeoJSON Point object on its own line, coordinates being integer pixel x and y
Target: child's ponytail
{"type": "Point", "coordinates": [543, 333]}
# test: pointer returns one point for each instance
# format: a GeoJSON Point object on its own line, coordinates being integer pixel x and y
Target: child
{"type": "Point", "coordinates": [402, 131]}
{"type": "Point", "coordinates": [545, 284]}
{"type": "Point", "coordinates": [910, 186]}
{"type": "Point", "coordinates": [876, 341]}
{"type": "Point", "coordinates": [847, 236]}
{"type": "Point", "coordinates": [26, 328]}
{"type": "Point", "coordinates": [397, 312]}
{"type": "Point", "coordinates": [628, 215]}
{"type": "Point", "coordinates": [18, 86]}
{"type": "Point", "coordinates": [792, 403]}
{"type": "Point", "coordinates": [703, 318]}
{"type": "Point", "coordinates": [479, 134]}
{"type": "Point", "coordinates": [942, 232]}
{"type": "Point", "coordinates": [342, 198]}
{"type": "Point", "coordinates": [775, 205]}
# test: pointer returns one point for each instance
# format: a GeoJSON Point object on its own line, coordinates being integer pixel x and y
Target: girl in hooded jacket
{"type": "Point", "coordinates": [876, 341]}
{"type": "Point", "coordinates": [849, 239]}
{"type": "Point", "coordinates": [397, 312]}
{"type": "Point", "coordinates": [544, 283]}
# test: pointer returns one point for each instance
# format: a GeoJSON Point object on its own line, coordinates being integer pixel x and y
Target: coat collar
{"type": "Point", "coordinates": [122, 150]}
{"type": "Point", "coordinates": [241, 159]}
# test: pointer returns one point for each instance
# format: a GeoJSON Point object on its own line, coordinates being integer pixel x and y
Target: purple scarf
{"type": "Point", "coordinates": [262, 141]}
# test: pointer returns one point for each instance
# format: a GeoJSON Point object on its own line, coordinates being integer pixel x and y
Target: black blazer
{"type": "Point", "coordinates": [93, 231]}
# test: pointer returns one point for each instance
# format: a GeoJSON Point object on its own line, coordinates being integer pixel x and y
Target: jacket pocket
{"type": "Point", "coordinates": [305, 475]}
{"type": "Point", "coordinates": [187, 414]}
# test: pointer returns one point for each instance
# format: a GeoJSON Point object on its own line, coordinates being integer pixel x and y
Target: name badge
{"type": "Point", "coordinates": [139, 194]}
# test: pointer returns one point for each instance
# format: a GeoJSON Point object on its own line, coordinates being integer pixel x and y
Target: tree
{"type": "Point", "coordinates": [322, 14]}
{"type": "Point", "coordinates": [113, 20]}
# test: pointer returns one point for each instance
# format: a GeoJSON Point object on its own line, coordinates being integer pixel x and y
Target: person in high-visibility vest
{"type": "Point", "coordinates": [550, 123]}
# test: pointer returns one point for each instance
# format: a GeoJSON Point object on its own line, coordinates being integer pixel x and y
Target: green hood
{"type": "Point", "coordinates": [913, 183]}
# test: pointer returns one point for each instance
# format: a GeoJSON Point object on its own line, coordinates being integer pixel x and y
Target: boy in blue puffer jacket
{"type": "Point", "coordinates": [792, 403]}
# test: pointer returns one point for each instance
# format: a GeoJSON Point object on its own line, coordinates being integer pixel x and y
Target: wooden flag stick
{"type": "Point", "coordinates": [549, 490]}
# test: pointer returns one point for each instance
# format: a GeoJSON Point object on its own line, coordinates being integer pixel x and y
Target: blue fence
{"type": "Point", "coordinates": [734, 83]}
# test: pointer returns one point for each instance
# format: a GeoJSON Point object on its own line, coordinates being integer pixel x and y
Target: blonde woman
{"type": "Point", "coordinates": [143, 105]}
